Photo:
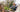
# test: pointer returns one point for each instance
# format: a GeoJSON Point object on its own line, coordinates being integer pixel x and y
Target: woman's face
{"type": "Point", "coordinates": [13, 4]}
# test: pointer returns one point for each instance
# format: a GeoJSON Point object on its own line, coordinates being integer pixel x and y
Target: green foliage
{"type": "Point", "coordinates": [6, 8]}
{"type": "Point", "coordinates": [11, 4]}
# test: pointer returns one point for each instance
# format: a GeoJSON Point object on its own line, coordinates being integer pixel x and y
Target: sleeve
{"type": "Point", "coordinates": [15, 7]}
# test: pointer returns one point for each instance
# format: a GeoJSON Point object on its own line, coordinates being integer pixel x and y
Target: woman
{"type": "Point", "coordinates": [17, 2]}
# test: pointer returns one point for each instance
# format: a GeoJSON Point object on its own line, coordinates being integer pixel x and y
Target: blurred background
{"type": "Point", "coordinates": [8, 6]}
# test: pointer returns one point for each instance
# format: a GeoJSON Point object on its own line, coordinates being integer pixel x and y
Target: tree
{"type": "Point", "coordinates": [10, 4]}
